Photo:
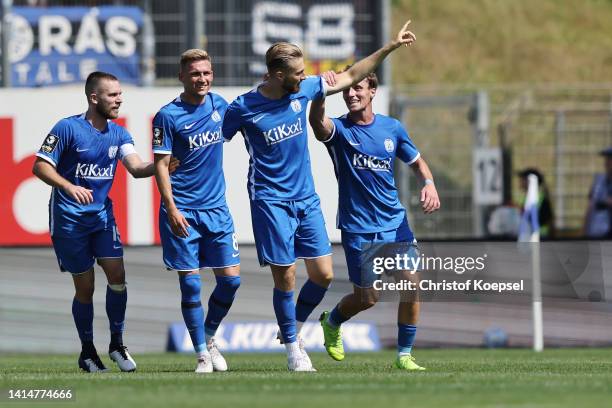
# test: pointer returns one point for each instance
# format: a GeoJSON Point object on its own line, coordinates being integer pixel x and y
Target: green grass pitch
{"type": "Point", "coordinates": [454, 378]}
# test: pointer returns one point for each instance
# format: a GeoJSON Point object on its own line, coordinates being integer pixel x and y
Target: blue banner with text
{"type": "Point", "coordinates": [262, 337]}
{"type": "Point", "coordinates": [60, 45]}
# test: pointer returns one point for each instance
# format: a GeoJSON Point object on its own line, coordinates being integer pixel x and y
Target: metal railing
{"type": "Point", "coordinates": [558, 129]}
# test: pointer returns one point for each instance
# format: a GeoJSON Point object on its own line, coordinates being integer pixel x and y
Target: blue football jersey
{"type": "Point", "coordinates": [363, 157]}
{"type": "Point", "coordinates": [275, 135]}
{"type": "Point", "coordinates": [88, 158]}
{"type": "Point", "coordinates": [192, 134]}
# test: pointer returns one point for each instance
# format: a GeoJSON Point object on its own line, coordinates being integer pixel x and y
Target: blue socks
{"type": "Point", "coordinates": [193, 313]}
{"type": "Point", "coordinates": [285, 314]}
{"type": "Point", "coordinates": [310, 296]}
{"type": "Point", "coordinates": [405, 337]}
{"type": "Point", "coordinates": [336, 318]}
{"type": "Point", "coordinates": [220, 302]}
{"type": "Point", "coordinates": [83, 314]}
{"type": "Point", "coordinates": [116, 303]}
{"type": "Point", "coordinates": [218, 305]}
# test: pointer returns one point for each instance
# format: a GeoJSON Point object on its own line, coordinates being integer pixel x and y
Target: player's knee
{"type": "Point", "coordinates": [84, 294]}
{"type": "Point", "coordinates": [190, 288]}
{"type": "Point", "coordinates": [323, 277]}
{"type": "Point", "coordinates": [84, 291]}
{"type": "Point", "coordinates": [368, 299]}
{"type": "Point", "coordinates": [368, 303]}
{"type": "Point", "coordinates": [284, 279]}
{"type": "Point", "coordinates": [231, 282]}
{"type": "Point", "coordinates": [113, 268]}
{"type": "Point", "coordinates": [285, 284]}
{"type": "Point", "coordinates": [116, 277]}
{"type": "Point", "coordinates": [327, 276]}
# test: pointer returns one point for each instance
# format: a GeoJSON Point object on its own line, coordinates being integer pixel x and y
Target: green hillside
{"type": "Point", "coordinates": [503, 41]}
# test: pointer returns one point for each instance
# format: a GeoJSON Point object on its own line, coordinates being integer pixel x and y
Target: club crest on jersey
{"type": "Point", "coordinates": [389, 145]}
{"type": "Point", "coordinates": [49, 144]}
{"type": "Point", "coordinates": [112, 152]}
{"type": "Point", "coordinates": [296, 105]}
{"type": "Point", "coordinates": [216, 117]}
{"type": "Point", "coordinates": [158, 137]}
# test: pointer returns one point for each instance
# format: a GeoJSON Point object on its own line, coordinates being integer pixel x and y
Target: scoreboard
{"type": "Point", "coordinates": [332, 34]}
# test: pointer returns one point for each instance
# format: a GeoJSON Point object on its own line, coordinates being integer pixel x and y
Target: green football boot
{"type": "Point", "coordinates": [406, 362]}
{"type": "Point", "coordinates": [333, 338]}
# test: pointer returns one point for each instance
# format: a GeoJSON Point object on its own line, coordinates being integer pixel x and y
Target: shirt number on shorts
{"type": "Point", "coordinates": [235, 241]}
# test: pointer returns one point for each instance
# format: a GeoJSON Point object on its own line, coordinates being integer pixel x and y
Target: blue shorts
{"type": "Point", "coordinates": [211, 242]}
{"type": "Point", "coordinates": [287, 230]}
{"type": "Point", "coordinates": [77, 252]}
{"type": "Point", "coordinates": [353, 244]}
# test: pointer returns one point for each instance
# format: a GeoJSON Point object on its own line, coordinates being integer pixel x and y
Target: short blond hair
{"type": "Point", "coordinates": [192, 55]}
{"type": "Point", "coordinates": [279, 55]}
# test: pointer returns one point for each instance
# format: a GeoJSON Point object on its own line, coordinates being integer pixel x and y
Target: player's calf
{"type": "Point", "coordinates": [309, 298]}
{"type": "Point", "coordinates": [219, 304]}
{"type": "Point", "coordinates": [116, 302]}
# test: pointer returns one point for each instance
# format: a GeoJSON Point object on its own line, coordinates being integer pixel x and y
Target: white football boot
{"type": "Point", "coordinates": [300, 342]}
{"type": "Point", "coordinates": [297, 359]}
{"type": "Point", "coordinates": [205, 364]}
{"type": "Point", "coordinates": [218, 362]}
{"type": "Point", "coordinates": [91, 363]}
{"type": "Point", "coordinates": [299, 364]}
{"type": "Point", "coordinates": [123, 359]}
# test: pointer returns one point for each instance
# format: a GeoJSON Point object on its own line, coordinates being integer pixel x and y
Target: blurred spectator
{"type": "Point", "coordinates": [545, 212]}
{"type": "Point", "coordinates": [599, 211]}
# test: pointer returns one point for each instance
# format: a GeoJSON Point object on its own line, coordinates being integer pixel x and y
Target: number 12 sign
{"type": "Point", "coordinates": [487, 175]}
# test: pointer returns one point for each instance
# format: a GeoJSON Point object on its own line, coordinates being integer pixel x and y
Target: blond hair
{"type": "Point", "coordinates": [192, 55]}
{"type": "Point", "coordinates": [279, 55]}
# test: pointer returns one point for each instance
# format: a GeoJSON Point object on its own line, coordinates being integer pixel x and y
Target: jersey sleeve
{"type": "Point", "coordinates": [232, 121]}
{"type": "Point", "coordinates": [127, 144]}
{"type": "Point", "coordinates": [219, 102]}
{"type": "Point", "coordinates": [313, 87]}
{"type": "Point", "coordinates": [406, 150]}
{"type": "Point", "coordinates": [163, 127]}
{"type": "Point", "coordinates": [333, 138]}
{"type": "Point", "coordinates": [55, 143]}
